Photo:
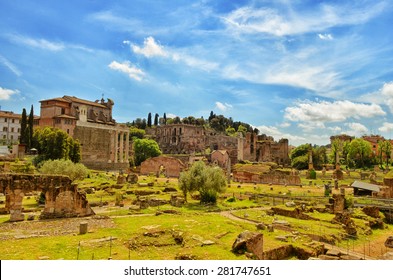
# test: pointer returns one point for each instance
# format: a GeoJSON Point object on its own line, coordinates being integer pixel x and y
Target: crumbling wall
{"type": "Point", "coordinates": [162, 165]}
{"type": "Point", "coordinates": [62, 198]}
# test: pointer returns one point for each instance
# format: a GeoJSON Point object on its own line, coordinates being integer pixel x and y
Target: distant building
{"type": "Point", "coordinates": [192, 139]}
{"type": "Point", "coordinates": [373, 140]}
{"type": "Point", "coordinates": [104, 143]}
{"type": "Point", "coordinates": [9, 127]}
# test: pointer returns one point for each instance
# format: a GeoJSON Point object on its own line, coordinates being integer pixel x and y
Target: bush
{"type": "Point", "coordinates": [313, 174]}
{"type": "Point", "coordinates": [208, 197]}
{"type": "Point", "coordinates": [76, 171]}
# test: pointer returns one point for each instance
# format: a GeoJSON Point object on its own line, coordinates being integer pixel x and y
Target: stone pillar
{"type": "Point", "coordinates": [310, 163]}
{"type": "Point", "coordinates": [116, 145]}
{"type": "Point", "coordinates": [121, 154]}
{"type": "Point", "coordinates": [127, 146]}
{"type": "Point", "coordinates": [16, 198]}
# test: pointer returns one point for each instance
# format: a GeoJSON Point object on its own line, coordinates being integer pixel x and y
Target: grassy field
{"type": "Point", "coordinates": [128, 232]}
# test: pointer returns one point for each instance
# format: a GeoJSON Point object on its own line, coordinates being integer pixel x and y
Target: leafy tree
{"type": "Point", "coordinates": [23, 127]}
{"type": "Point", "coordinates": [241, 128]}
{"type": "Point", "coordinates": [144, 149]}
{"type": "Point", "coordinates": [359, 153]}
{"type": "Point", "coordinates": [384, 151]}
{"type": "Point", "coordinates": [76, 171]}
{"type": "Point", "coordinates": [208, 181]}
{"type": "Point", "coordinates": [137, 133]}
{"type": "Point", "coordinates": [337, 147]}
{"type": "Point", "coordinates": [230, 131]}
{"type": "Point", "coordinates": [53, 143]}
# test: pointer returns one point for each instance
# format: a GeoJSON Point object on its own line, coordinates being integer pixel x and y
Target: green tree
{"type": "Point", "coordinates": [164, 118]}
{"type": "Point", "coordinates": [299, 157]}
{"type": "Point", "coordinates": [359, 153]}
{"type": "Point", "coordinates": [144, 149]}
{"type": "Point", "coordinates": [76, 171]}
{"type": "Point", "coordinates": [136, 133]}
{"type": "Point", "coordinates": [53, 143]}
{"type": "Point", "coordinates": [384, 151]}
{"type": "Point", "coordinates": [337, 148]}
{"type": "Point", "coordinates": [230, 131]}
{"type": "Point", "coordinates": [241, 128]}
{"type": "Point", "coordinates": [208, 181]}
{"type": "Point", "coordinates": [149, 120]}
{"type": "Point", "coordinates": [156, 117]}
{"type": "Point", "coordinates": [23, 127]}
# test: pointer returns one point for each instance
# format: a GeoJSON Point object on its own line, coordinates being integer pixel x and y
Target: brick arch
{"type": "Point", "coordinates": [62, 197]}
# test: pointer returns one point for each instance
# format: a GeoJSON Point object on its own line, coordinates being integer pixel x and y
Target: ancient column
{"type": "Point", "coordinates": [116, 145]}
{"type": "Point", "coordinates": [310, 163]}
{"type": "Point", "coordinates": [121, 154]}
{"type": "Point", "coordinates": [15, 206]}
{"type": "Point", "coordinates": [127, 146]}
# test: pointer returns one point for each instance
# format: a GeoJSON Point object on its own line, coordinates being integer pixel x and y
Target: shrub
{"type": "Point", "coordinates": [76, 171]}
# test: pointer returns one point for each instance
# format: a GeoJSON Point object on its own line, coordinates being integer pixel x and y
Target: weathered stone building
{"type": "Point", "coordinates": [162, 165]}
{"type": "Point", "coordinates": [191, 139]}
{"type": "Point", "coordinates": [104, 143]}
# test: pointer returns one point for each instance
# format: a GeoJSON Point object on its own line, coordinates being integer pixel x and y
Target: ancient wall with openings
{"type": "Point", "coordinates": [62, 197]}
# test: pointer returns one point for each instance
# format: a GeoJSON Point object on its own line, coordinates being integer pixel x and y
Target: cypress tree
{"type": "Point", "coordinates": [164, 118]}
{"type": "Point", "coordinates": [30, 128]}
{"type": "Point", "coordinates": [23, 126]}
{"type": "Point", "coordinates": [156, 120]}
{"type": "Point", "coordinates": [149, 120]}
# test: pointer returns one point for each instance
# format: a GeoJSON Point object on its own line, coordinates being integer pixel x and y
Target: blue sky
{"type": "Point", "coordinates": [303, 70]}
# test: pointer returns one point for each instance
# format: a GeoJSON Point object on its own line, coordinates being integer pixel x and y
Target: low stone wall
{"type": "Point", "coordinates": [270, 178]}
{"type": "Point", "coordinates": [295, 213]}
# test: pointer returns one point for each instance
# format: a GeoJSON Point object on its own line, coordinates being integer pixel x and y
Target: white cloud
{"type": "Point", "coordinates": [356, 129]}
{"type": "Point", "coordinates": [37, 43]}
{"type": "Point", "coordinates": [285, 124]}
{"type": "Point", "coordinates": [5, 94]}
{"type": "Point", "coordinates": [10, 66]}
{"type": "Point", "coordinates": [150, 48]}
{"type": "Point", "coordinates": [386, 127]}
{"type": "Point", "coordinates": [325, 36]}
{"type": "Point", "coordinates": [337, 111]}
{"type": "Point", "coordinates": [126, 67]}
{"type": "Point", "coordinates": [223, 106]}
{"type": "Point", "coordinates": [278, 23]}
{"type": "Point", "coordinates": [387, 93]}
{"type": "Point", "coordinates": [277, 134]}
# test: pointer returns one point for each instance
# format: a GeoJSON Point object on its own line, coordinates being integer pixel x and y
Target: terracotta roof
{"type": "Point", "coordinates": [57, 99]}
{"type": "Point", "coordinates": [83, 101]}
{"type": "Point", "coordinates": [9, 114]}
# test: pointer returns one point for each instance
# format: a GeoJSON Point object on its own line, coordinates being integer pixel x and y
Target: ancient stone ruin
{"type": "Point", "coordinates": [62, 198]}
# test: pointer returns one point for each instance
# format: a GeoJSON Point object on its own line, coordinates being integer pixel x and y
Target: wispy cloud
{"type": "Point", "coordinates": [325, 36]}
{"type": "Point", "coordinates": [5, 94]}
{"type": "Point", "coordinates": [224, 107]}
{"type": "Point", "coordinates": [126, 67]}
{"type": "Point", "coordinates": [151, 49]}
{"type": "Point", "coordinates": [276, 22]}
{"type": "Point", "coordinates": [277, 134]}
{"type": "Point", "coordinates": [36, 43]}
{"type": "Point", "coordinates": [10, 66]}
